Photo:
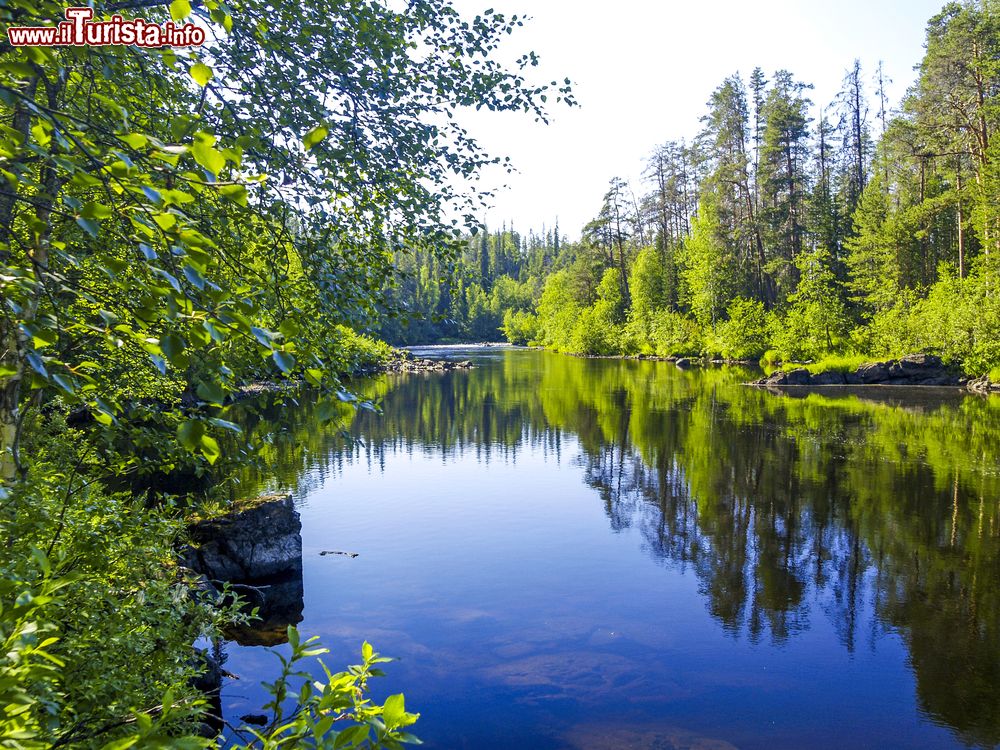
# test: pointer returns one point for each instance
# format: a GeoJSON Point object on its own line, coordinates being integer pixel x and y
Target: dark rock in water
{"type": "Point", "coordinates": [259, 720]}
{"type": "Point", "coordinates": [257, 549]}
{"type": "Point", "coordinates": [913, 363]}
{"type": "Point", "coordinates": [913, 369]}
{"type": "Point", "coordinates": [799, 377]}
{"type": "Point", "coordinates": [874, 372]}
{"type": "Point", "coordinates": [279, 603]}
{"type": "Point", "coordinates": [775, 378]}
{"type": "Point", "coordinates": [683, 363]}
{"type": "Point", "coordinates": [256, 540]}
{"type": "Point", "coordinates": [829, 378]}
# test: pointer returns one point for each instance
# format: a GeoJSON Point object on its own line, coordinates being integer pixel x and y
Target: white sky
{"type": "Point", "coordinates": [643, 71]}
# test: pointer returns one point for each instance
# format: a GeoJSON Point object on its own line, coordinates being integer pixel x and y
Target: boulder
{"type": "Point", "coordinates": [257, 539]}
{"type": "Point", "coordinates": [920, 363]}
{"type": "Point", "coordinates": [257, 549]}
{"type": "Point", "coordinates": [683, 363]}
{"type": "Point", "coordinates": [829, 378]}
{"type": "Point", "coordinates": [874, 372]}
{"type": "Point", "coordinates": [800, 376]}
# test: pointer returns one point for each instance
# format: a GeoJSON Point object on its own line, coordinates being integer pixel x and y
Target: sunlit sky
{"type": "Point", "coordinates": [643, 71]}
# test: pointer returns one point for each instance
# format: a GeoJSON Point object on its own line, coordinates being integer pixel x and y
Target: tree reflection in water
{"type": "Point", "coordinates": [786, 508]}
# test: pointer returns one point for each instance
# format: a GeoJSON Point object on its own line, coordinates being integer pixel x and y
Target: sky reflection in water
{"type": "Point", "coordinates": [569, 553]}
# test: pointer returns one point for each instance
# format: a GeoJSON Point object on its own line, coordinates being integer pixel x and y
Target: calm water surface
{"type": "Point", "coordinates": [570, 553]}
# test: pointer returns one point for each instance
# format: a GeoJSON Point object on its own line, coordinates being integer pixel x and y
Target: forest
{"type": "Point", "coordinates": [283, 202]}
{"type": "Point", "coordinates": [788, 229]}
{"type": "Point", "coordinates": [175, 223]}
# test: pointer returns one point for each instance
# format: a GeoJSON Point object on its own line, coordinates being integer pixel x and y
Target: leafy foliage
{"type": "Point", "coordinates": [176, 224]}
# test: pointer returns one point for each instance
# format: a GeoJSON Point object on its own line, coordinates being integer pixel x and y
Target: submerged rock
{"type": "Point", "coordinates": [279, 602]}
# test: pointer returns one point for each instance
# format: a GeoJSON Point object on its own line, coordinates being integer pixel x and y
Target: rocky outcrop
{"type": "Point", "coordinates": [913, 369]}
{"type": "Point", "coordinates": [257, 539]}
{"type": "Point", "coordinates": [408, 363]}
{"type": "Point", "coordinates": [256, 548]}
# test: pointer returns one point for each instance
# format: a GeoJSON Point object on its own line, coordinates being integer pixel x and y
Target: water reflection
{"type": "Point", "coordinates": [868, 515]}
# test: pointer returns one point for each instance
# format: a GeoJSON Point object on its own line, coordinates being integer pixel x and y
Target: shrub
{"type": "Point", "coordinates": [673, 334]}
{"type": "Point", "coordinates": [592, 334]}
{"type": "Point", "coordinates": [744, 335]}
{"type": "Point", "coordinates": [520, 327]}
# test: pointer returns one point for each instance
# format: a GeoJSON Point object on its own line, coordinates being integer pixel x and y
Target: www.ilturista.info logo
{"type": "Point", "coordinates": [79, 31]}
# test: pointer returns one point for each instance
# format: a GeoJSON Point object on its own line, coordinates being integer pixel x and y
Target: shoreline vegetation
{"type": "Point", "coordinates": [838, 233]}
{"type": "Point", "coordinates": [181, 227]}
{"type": "Point", "coordinates": [913, 370]}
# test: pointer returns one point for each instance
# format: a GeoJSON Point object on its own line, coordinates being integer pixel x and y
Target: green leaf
{"type": "Point", "coordinates": [214, 332]}
{"type": "Point", "coordinates": [90, 226]}
{"type": "Point", "coordinates": [201, 73]}
{"type": "Point", "coordinates": [135, 140]}
{"type": "Point", "coordinates": [236, 193]}
{"type": "Point", "coordinates": [66, 385]}
{"type": "Point", "coordinates": [173, 346]}
{"type": "Point", "coordinates": [314, 136]}
{"type": "Point", "coordinates": [211, 392]}
{"type": "Point", "coordinates": [94, 210]}
{"type": "Point", "coordinates": [226, 425]}
{"type": "Point", "coordinates": [284, 361]}
{"type": "Point", "coordinates": [193, 275]}
{"type": "Point", "coordinates": [266, 338]}
{"type": "Point", "coordinates": [180, 9]}
{"type": "Point", "coordinates": [37, 364]}
{"type": "Point", "coordinates": [394, 711]}
{"type": "Point", "coordinates": [165, 221]}
{"type": "Point", "coordinates": [210, 449]}
{"type": "Point", "coordinates": [190, 434]}
{"type": "Point", "coordinates": [207, 156]}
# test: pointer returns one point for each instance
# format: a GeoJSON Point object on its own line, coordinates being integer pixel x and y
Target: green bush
{"type": "Point", "coordinates": [520, 327]}
{"type": "Point", "coordinates": [592, 334]}
{"type": "Point", "coordinates": [673, 334]}
{"type": "Point", "coordinates": [745, 334]}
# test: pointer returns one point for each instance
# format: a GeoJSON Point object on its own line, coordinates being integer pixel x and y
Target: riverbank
{"type": "Point", "coordinates": [922, 370]}
{"type": "Point", "coordinates": [403, 360]}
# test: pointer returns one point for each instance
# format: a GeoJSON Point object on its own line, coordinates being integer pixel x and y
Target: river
{"type": "Point", "coordinates": [595, 554]}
